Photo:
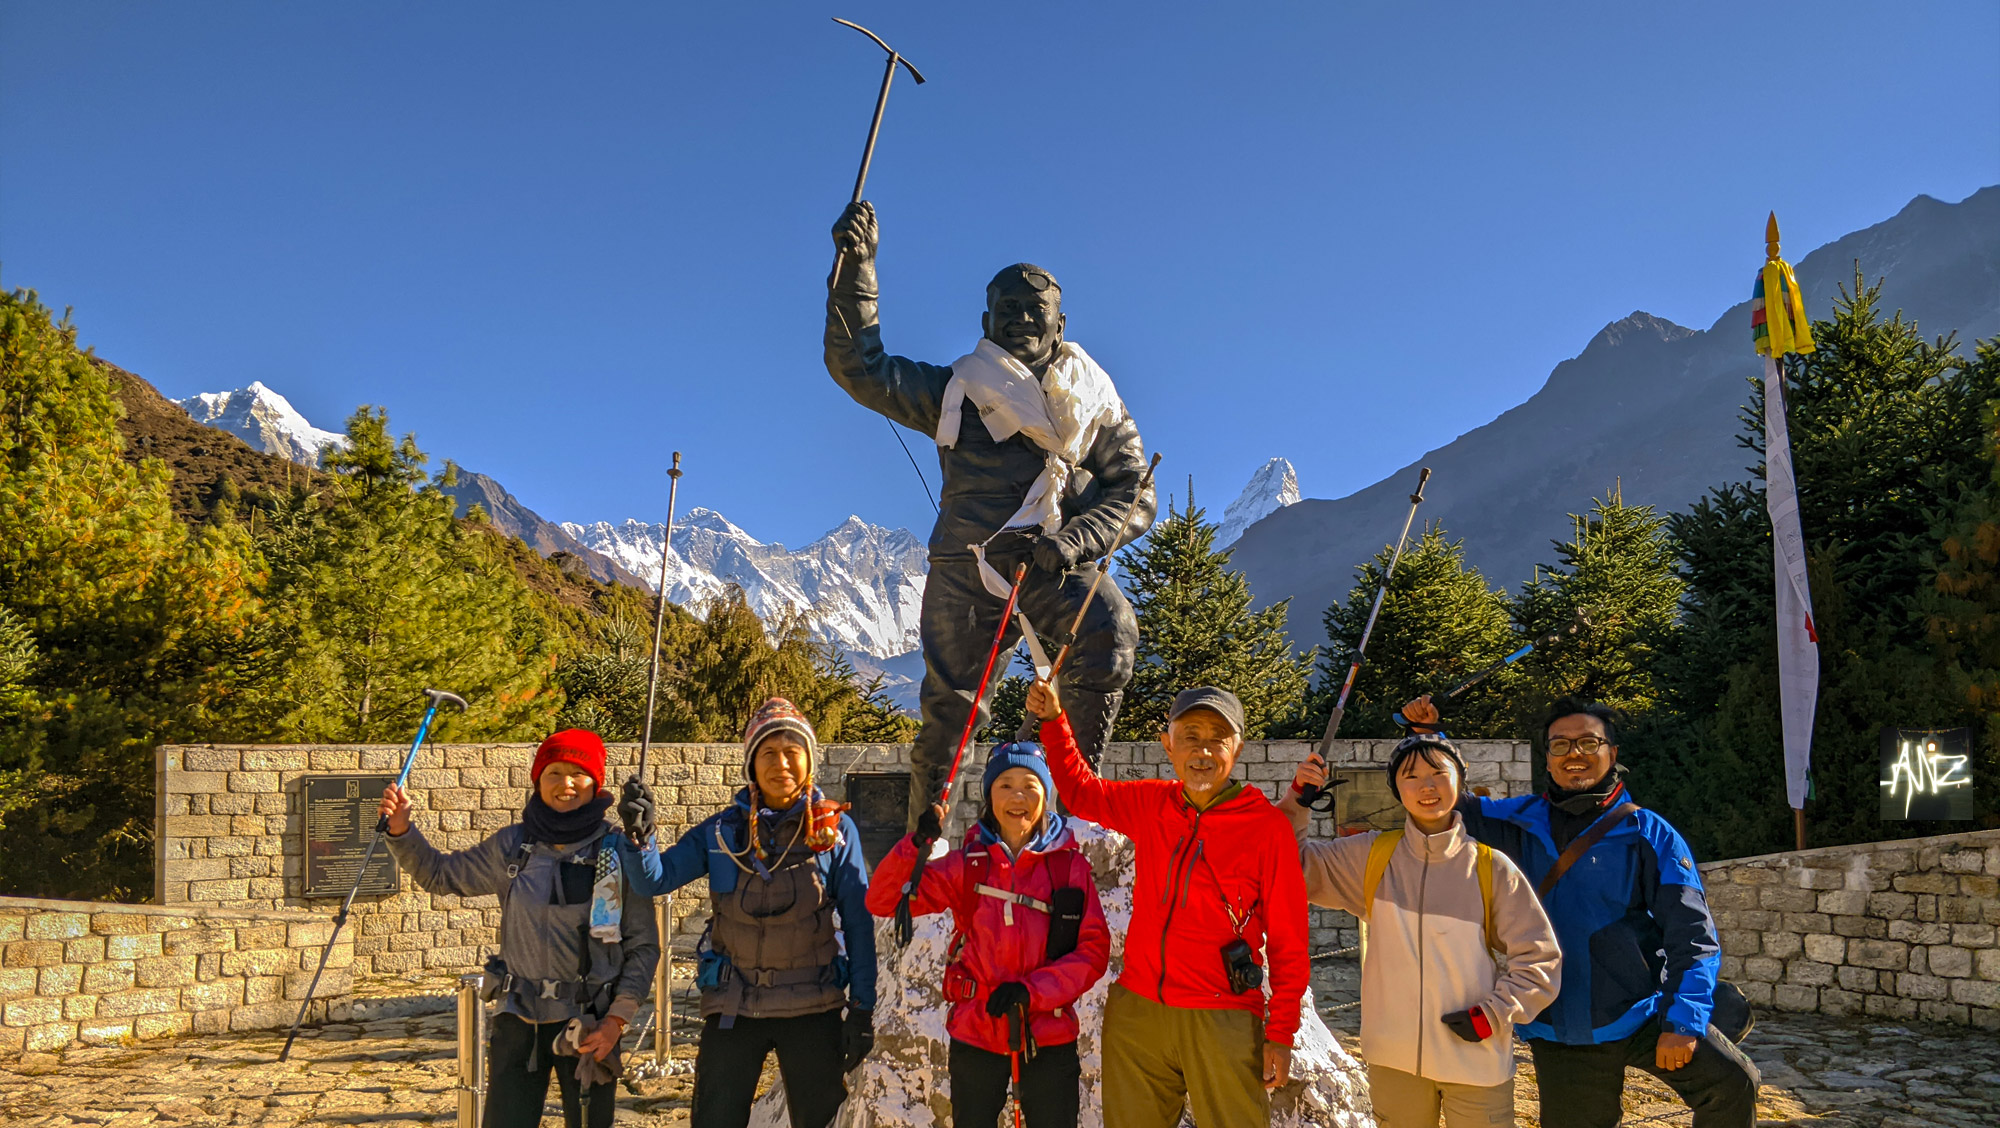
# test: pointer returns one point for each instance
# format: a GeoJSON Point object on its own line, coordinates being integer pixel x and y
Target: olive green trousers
{"type": "Point", "coordinates": [1157, 1057]}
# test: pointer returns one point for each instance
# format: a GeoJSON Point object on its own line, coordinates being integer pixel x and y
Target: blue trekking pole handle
{"type": "Point", "coordinates": [436, 696]}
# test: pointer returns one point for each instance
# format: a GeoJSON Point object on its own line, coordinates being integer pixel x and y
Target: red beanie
{"type": "Point", "coordinates": [581, 747]}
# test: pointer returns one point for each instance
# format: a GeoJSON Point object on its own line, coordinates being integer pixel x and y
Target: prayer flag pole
{"type": "Point", "coordinates": [1778, 327]}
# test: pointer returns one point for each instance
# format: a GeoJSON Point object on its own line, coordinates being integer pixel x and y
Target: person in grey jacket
{"type": "Point", "coordinates": [578, 942]}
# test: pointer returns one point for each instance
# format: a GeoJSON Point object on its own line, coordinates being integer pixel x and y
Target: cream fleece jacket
{"type": "Point", "coordinates": [1426, 957]}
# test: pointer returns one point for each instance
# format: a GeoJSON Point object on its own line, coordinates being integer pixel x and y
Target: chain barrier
{"type": "Point", "coordinates": [1336, 954]}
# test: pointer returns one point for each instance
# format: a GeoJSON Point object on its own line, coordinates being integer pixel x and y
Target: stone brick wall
{"type": "Point", "coordinates": [1899, 930]}
{"type": "Point", "coordinates": [98, 973]}
{"type": "Point", "coordinates": [229, 820]}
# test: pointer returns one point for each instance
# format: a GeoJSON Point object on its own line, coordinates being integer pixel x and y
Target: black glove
{"type": "Point", "coordinates": [928, 830]}
{"type": "Point", "coordinates": [857, 1037]}
{"type": "Point", "coordinates": [1053, 554]}
{"type": "Point", "coordinates": [1470, 1024]}
{"type": "Point", "coordinates": [636, 808]}
{"type": "Point", "coordinates": [1006, 997]}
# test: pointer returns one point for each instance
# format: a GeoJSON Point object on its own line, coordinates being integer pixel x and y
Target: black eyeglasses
{"type": "Point", "coordinates": [1588, 745]}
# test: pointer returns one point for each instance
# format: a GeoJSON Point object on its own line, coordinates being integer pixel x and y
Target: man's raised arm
{"type": "Point", "coordinates": [908, 391]}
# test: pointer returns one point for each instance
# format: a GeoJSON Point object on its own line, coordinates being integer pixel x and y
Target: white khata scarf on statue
{"type": "Point", "coordinates": [1060, 414]}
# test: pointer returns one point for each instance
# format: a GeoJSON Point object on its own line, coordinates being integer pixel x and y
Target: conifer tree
{"type": "Point", "coordinates": [1196, 628]}
{"type": "Point", "coordinates": [140, 628]}
{"type": "Point", "coordinates": [1619, 569]}
{"type": "Point", "coordinates": [1887, 432]}
{"type": "Point", "coordinates": [380, 594]}
{"type": "Point", "coordinates": [1440, 623]}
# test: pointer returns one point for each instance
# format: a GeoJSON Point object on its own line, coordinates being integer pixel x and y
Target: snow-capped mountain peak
{"type": "Point", "coordinates": [1274, 486]}
{"type": "Point", "coordinates": [265, 420]}
{"type": "Point", "coordinates": [861, 585]}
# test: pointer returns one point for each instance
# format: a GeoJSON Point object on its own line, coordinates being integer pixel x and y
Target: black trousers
{"type": "Point", "coordinates": [1584, 1086]}
{"type": "Point", "coordinates": [1051, 1089]}
{"type": "Point", "coordinates": [514, 1092]}
{"type": "Point", "coordinates": [956, 628]}
{"type": "Point", "coordinates": [728, 1063]}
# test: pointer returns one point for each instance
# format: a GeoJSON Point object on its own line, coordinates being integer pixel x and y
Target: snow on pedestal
{"type": "Point", "coordinates": [905, 1083]}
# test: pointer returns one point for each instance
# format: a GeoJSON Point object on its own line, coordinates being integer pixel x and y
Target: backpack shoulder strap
{"type": "Point", "coordinates": [1581, 844]}
{"type": "Point", "coordinates": [1485, 867]}
{"type": "Point", "coordinates": [1378, 864]}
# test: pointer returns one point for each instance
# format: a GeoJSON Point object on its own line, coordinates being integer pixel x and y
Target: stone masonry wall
{"type": "Point", "coordinates": [97, 973]}
{"type": "Point", "coordinates": [1899, 930]}
{"type": "Point", "coordinates": [229, 821]}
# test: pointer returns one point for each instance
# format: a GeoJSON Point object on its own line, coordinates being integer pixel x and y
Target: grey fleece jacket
{"type": "Point", "coordinates": [544, 921]}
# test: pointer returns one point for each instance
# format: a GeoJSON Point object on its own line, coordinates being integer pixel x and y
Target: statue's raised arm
{"type": "Point", "coordinates": [1041, 463]}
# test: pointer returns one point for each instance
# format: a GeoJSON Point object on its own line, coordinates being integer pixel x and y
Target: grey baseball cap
{"type": "Point", "coordinates": [1211, 698]}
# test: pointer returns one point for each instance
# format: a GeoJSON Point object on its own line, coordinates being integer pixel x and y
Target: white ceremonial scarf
{"type": "Point", "coordinates": [1059, 413]}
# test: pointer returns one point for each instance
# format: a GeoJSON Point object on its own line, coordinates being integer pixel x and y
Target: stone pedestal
{"type": "Point", "coordinates": [905, 1082]}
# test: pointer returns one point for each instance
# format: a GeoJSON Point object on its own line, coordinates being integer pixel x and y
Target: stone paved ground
{"type": "Point", "coordinates": [396, 1072]}
{"type": "Point", "coordinates": [1819, 1072]}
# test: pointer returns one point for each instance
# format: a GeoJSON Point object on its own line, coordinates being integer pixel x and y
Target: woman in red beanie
{"type": "Point", "coordinates": [577, 941]}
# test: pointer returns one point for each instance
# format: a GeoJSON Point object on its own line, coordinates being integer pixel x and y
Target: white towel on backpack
{"type": "Point", "coordinates": [1059, 413]}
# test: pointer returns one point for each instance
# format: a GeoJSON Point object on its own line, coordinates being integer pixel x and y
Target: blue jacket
{"type": "Point", "coordinates": [698, 854]}
{"type": "Point", "coordinates": [1630, 915]}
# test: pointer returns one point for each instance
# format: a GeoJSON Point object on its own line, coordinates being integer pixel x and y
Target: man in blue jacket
{"type": "Point", "coordinates": [1640, 952]}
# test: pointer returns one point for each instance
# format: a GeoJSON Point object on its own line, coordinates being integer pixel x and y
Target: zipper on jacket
{"type": "Point", "coordinates": [1423, 881]}
{"type": "Point", "coordinates": [1175, 889]}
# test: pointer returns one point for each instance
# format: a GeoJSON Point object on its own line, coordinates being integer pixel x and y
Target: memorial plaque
{"type": "Point", "coordinates": [881, 810]}
{"type": "Point", "coordinates": [340, 819]}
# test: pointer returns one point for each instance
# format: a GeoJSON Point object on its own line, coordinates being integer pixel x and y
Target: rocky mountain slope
{"type": "Point", "coordinates": [1647, 404]}
{"type": "Point", "coordinates": [1274, 486]}
{"type": "Point", "coordinates": [861, 584]}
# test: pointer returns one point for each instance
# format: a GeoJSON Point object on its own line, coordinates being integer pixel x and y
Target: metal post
{"type": "Point", "coordinates": [663, 985]}
{"type": "Point", "coordinates": [471, 1050]}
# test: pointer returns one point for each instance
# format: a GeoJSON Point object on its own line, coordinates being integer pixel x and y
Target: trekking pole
{"type": "Point", "coordinates": [1576, 625]}
{"type": "Point", "coordinates": [905, 923]}
{"type": "Point", "coordinates": [374, 840]}
{"type": "Point", "coordinates": [1311, 794]}
{"type": "Point", "coordinates": [1103, 566]}
{"type": "Point", "coordinates": [1016, 1045]}
{"type": "Point", "coordinates": [637, 834]}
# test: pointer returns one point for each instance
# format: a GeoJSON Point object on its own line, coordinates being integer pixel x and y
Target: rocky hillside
{"type": "Point", "coordinates": [1647, 403]}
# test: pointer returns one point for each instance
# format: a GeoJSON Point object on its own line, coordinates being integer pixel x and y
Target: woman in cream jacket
{"type": "Point", "coordinates": [1437, 1009]}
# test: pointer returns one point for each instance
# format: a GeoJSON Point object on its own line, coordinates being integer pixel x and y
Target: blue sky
{"type": "Point", "coordinates": [557, 241]}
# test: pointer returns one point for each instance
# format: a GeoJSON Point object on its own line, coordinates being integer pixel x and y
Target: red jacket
{"type": "Point", "coordinates": [997, 951]}
{"type": "Point", "coordinates": [1197, 869]}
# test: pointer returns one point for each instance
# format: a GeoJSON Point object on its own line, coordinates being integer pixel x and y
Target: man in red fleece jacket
{"type": "Point", "coordinates": [1218, 880]}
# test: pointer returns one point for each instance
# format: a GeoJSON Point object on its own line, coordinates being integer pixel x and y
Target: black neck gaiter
{"type": "Point", "coordinates": [1572, 812]}
{"type": "Point", "coordinates": [543, 823]}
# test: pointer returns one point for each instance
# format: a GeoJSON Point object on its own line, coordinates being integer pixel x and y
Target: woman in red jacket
{"type": "Point", "coordinates": [1030, 939]}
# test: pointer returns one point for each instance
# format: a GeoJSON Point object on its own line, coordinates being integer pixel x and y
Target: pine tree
{"type": "Point", "coordinates": [1887, 433]}
{"type": "Point", "coordinates": [1963, 614]}
{"type": "Point", "coordinates": [141, 629]}
{"type": "Point", "coordinates": [1196, 628]}
{"type": "Point", "coordinates": [1439, 624]}
{"type": "Point", "coordinates": [380, 594]}
{"type": "Point", "coordinates": [1619, 569]}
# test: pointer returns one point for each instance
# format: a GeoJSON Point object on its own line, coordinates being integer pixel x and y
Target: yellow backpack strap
{"type": "Point", "coordinates": [1485, 865]}
{"type": "Point", "coordinates": [1378, 864]}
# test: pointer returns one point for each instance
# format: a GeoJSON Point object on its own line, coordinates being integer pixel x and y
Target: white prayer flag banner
{"type": "Point", "coordinates": [1798, 639]}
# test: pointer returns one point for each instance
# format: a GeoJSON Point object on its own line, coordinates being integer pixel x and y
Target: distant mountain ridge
{"type": "Point", "coordinates": [862, 584]}
{"type": "Point", "coordinates": [1647, 404]}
